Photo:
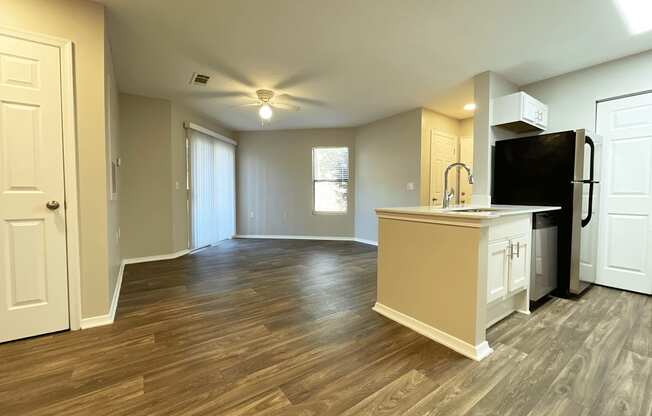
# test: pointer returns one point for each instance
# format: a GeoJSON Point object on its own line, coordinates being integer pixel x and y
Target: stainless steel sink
{"type": "Point", "coordinates": [478, 210]}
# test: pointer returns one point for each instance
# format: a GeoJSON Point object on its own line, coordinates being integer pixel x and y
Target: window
{"type": "Point", "coordinates": [330, 179]}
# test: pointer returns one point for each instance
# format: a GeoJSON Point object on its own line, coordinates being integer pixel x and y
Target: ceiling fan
{"type": "Point", "coordinates": [267, 102]}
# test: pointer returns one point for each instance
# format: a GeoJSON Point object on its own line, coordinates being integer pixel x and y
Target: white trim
{"type": "Point", "coordinates": [475, 352]}
{"type": "Point", "coordinates": [107, 319]}
{"type": "Point", "coordinates": [69, 132]}
{"type": "Point", "coordinates": [211, 133]}
{"type": "Point", "coordinates": [158, 257]}
{"type": "Point", "coordinates": [296, 237]}
{"type": "Point", "coordinates": [363, 241]}
{"type": "Point", "coordinates": [306, 237]}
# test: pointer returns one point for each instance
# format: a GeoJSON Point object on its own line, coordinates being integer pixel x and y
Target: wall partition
{"type": "Point", "coordinates": [211, 187]}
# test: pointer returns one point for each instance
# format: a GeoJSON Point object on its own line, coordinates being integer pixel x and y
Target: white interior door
{"type": "Point", "coordinates": [212, 190]}
{"type": "Point", "coordinates": [33, 269]}
{"type": "Point", "coordinates": [625, 252]}
{"type": "Point", "coordinates": [466, 157]}
{"type": "Point", "coordinates": [443, 152]}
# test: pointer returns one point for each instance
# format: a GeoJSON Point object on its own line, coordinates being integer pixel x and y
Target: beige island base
{"type": "Point", "coordinates": [449, 274]}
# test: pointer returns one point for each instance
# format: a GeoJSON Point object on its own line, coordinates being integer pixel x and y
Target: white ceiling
{"type": "Point", "coordinates": [349, 62]}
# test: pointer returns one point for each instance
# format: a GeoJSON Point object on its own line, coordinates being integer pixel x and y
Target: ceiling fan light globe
{"type": "Point", "coordinates": [265, 112]}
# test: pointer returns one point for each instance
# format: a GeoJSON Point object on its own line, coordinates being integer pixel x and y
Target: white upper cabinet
{"type": "Point", "coordinates": [519, 112]}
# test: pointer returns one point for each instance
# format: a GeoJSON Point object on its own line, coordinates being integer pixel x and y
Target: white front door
{"type": "Point", "coordinates": [443, 152]}
{"type": "Point", "coordinates": [625, 254]}
{"type": "Point", "coordinates": [33, 265]}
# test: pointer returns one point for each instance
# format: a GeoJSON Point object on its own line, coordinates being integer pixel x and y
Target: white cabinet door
{"type": "Point", "coordinates": [33, 270]}
{"type": "Point", "coordinates": [498, 269]}
{"type": "Point", "coordinates": [625, 242]}
{"type": "Point", "coordinates": [519, 265]}
{"type": "Point", "coordinates": [530, 110]}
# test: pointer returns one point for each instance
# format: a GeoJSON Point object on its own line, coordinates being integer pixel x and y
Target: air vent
{"type": "Point", "coordinates": [199, 79]}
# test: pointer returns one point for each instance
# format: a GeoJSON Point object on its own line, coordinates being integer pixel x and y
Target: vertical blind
{"type": "Point", "coordinates": [212, 188]}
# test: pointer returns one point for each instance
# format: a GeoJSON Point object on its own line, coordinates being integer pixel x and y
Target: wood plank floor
{"type": "Point", "coordinates": [256, 327]}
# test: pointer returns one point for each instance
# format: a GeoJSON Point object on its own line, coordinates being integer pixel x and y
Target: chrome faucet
{"type": "Point", "coordinates": [449, 195]}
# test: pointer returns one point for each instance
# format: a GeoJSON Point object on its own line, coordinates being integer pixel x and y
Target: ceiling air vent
{"type": "Point", "coordinates": [199, 79]}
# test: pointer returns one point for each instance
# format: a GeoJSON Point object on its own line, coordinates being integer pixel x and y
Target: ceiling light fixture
{"type": "Point", "coordinates": [637, 15]}
{"type": "Point", "coordinates": [265, 111]}
{"type": "Point", "coordinates": [469, 107]}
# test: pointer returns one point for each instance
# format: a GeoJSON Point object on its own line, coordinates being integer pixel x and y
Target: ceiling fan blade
{"type": "Point", "coordinates": [285, 106]}
{"type": "Point", "coordinates": [257, 104]}
{"type": "Point", "coordinates": [301, 100]}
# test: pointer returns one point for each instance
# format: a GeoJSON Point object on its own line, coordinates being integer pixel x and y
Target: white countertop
{"type": "Point", "coordinates": [493, 211]}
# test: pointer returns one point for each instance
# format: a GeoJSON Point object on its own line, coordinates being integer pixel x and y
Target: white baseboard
{"type": "Point", "coordinates": [307, 237]}
{"type": "Point", "coordinates": [157, 257]}
{"type": "Point", "coordinates": [295, 237]}
{"type": "Point", "coordinates": [108, 319]}
{"type": "Point", "coordinates": [475, 352]}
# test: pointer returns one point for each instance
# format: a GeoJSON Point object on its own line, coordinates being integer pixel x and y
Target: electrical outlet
{"type": "Point", "coordinates": [251, 214]}
{"type": "Point", "coordinates": [176, 184]}
{"type": "Point", "coordinates": [410, 186]}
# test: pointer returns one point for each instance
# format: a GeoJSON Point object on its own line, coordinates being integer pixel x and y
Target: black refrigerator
{"type": "Point", "coordinates": [556, 169]}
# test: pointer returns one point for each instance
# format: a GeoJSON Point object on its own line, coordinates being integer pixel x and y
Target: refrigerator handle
{"type": "Point", "coordinates": [589, 214]}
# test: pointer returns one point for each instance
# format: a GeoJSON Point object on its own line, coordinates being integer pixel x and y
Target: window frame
{"type": "Point", "coordinates": [314, 181]}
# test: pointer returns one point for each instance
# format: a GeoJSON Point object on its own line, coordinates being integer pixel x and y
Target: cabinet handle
{"type": "Point", "coordinates": [510, 250]}
{"type": "Point", "coordinates": [518, 250]}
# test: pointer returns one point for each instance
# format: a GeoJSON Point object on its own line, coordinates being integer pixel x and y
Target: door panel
{"type": "Point", "coordinates": [33, 265]}
{"type": "Point", "coordinates": [498, 269]}
{"type": "Point", "coordinates": [443, 152]}
{"type": "Point", "coordinates": [519, 273]}
{"type": "Point", "coordinates": [626, 201]}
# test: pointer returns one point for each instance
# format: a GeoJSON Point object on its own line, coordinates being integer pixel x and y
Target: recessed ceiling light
{"type": "Point", "coordinates": [469, 107]}
{"type": "Point", "coordinates": [637, 15]}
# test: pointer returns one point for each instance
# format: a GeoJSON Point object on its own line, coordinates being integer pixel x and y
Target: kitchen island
{"type": "Point", "coordinates": [451, 273]}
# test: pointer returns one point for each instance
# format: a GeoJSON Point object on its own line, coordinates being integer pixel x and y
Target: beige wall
{"type": "Point", "coordinates": [82, 22]}
{"type": "Point", "coordinates": [466, 127]}
{"type": "Point", "coordinates": [275, 183]}
{"type": "Point", "coordinates": [179, 193]}
{"type": "Point", "coordinates": [430, 121]}
{"type": "Point", "coordinates": [430, 273]}
{"type": "Point", "coordinates": [145, 176]}
{"type": "Point", "coordinates": [387, 158]}
{"type": "Point", "coordinates": [112, 96]}
{"type": "Point", "coordinates": [153, 197]}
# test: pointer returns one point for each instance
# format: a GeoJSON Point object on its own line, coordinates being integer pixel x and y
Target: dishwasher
{"type": "Point", "coordinates": [543, 271]}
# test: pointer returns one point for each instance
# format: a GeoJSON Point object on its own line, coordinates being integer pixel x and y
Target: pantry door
{"type": "Point", "coordinates": [443, 152]}
{"type": "Point", "coordinates": [625, 254]}
{"type": "Point", "coordinates": [33, 261]}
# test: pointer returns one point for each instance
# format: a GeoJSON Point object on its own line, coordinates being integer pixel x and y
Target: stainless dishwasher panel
{"type": "Point", "coordinates": [543, 273]}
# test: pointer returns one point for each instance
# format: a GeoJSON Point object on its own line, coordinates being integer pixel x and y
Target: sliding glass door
{"type": "Point", "coordinates": [212, 190]}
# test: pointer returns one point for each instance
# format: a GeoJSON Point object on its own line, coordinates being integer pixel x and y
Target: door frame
{"type": "Point", "coordinates": [69, 138]}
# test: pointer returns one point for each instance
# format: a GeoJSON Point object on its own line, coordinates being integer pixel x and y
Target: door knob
{"type": "Point", "coordinates": [52, 205]}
